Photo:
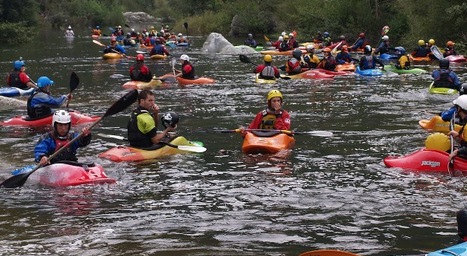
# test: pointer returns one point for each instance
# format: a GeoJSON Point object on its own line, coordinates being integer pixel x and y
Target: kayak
{"type": "Point", "coordinates": [264, 81]}
{"type": "Point", "coordinates": [111, 55]}
{"type": "Point", "coordinates": [158, 57]}
{"type": "Point", "coordinates": [76, 119]}
{"type": "Point", "coordinates": [14, 91]}
{"type": "Point", "coordinates": [311, 74]}
{"type": "Point", "coordinates": [345, 67]}
{"type": "Point", "coordinates": [334, 73]}
{"type": "Point", "coordinates": [68, 173]}
{"type": "Point", "coordinates": [457, 250]}
{"type": "Point", "coordinates": [130, 154]}
{"type": "Point", "coordinates": [392, 68]}
{"type": "Point", "coordinates": [442, 90]}
{"type": "Point", "coordinates": [426, 160]}
{"type": "Point", "coordinates": [456, 58]}
{"type": "Point", "coordinates": [140, 85]}
{"type": "Point", "coordinates": [199, 80]}
{"type": "Point", "coordinates": [277, 52]}
{"type": "Point", "coordinates": [369, 72]}
{"type": "Point", "coordinates": [387, 56]}
{"type": "Point", "coordinates": [271, 142]}
{"type": "Point", "coordinates": [327, 253]}
{"type": "Point", "coordinates": [419, 59]}
{"type": "Point", "coordinates": [437, 124]}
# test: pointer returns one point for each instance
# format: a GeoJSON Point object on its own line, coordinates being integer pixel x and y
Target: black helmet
{"type": "Point", "coordinates": [169, 119]}
{"type": "Point", "coordinates": [463, 89]}
{"type": "Point", "coordinates": [297, 53]}
{"type": "Point", "coordinates": [444, 63]}
{"type": "Point", "coordinates": [367, 49]}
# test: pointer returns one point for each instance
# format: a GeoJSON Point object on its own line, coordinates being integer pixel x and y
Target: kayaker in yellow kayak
{"type": "Point", "coordinates": [142, 126]}
{"type": "Point", "coordinates": [267, 70]}
{"type": "Point", "coordinates": [445, 77]}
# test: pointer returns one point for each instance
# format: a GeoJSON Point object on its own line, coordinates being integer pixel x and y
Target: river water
{"type": "Point", "coordinates": [329, 192]}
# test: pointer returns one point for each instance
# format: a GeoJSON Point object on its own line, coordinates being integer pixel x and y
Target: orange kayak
{"type": "Point", "coordinates": [419, 59]}
{"type": "Point", "coordinates": [140, 85]}
{"type": "Point", "coordinates": [266, 142]}
{"type": "Point", "coordinates": [437, 124]}
{"type": "Point", "coordinates": [111, 55]}
{"type": "Point", "coordinates": [199, 80]}
{"type": "Point", "coordinates": [158, 57]}
{"type": "Point", "coordinates": [277, 52]}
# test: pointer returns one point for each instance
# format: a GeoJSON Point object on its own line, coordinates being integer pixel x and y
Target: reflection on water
{"type": "Point", "coordinates": [328, 192]}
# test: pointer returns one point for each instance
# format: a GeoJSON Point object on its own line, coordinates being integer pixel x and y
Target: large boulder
{"type": "Point", "coordinates": [7, 103]}
{"type": "Point", "coordinates": [216, 43]}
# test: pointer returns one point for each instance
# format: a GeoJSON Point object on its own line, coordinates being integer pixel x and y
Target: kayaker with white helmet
{"type": "Point", "coordinates": [460, 105]}
{"type": "Point", "coordinates": [58, 137]}
{"type": "Point", "coordinates": [18, 77]}
{"type": "Point", "coordinates": [311, 60]}
{"type": "Point", "coordinates": [250, 41]}
{"type": "Point", "coordinates": [368, 60]}
{"type": "Point", "coordinates": [384, 46]}
{"type": "Point", "coordinates": [188, 71]}
{"type": "Point", "coordinates": [41, 102]}
{"type": "Point", "coordinates": [69, 32]}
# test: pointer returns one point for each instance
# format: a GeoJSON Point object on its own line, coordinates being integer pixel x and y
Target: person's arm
{"type": "Point", "coordinates": [255, 124]}
{"type": "Point", "coordinates": [283, 123]}
{"type": "Point", "coordinates": [43, 149]}
{"type": "Point", "coordinates": [159, 136]}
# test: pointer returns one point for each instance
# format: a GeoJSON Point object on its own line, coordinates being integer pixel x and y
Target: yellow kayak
{"type": "Point", "coordinates": [437, 124]}
{"type": "Point", "coordinates": [264, 81]}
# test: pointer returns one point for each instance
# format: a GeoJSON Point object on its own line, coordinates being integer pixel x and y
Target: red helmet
{"type": "Point", "coordinates": [140, 57]}
{"type": "Point", "coordinates": [113, 39]}
{"type": "Point", "coordinates": [361, 35]}
{"type": "Point", "coordinates": [345, 48]}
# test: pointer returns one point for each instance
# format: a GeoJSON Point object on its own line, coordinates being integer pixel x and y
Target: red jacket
{"type": "Point", "coordinates": [282, 121]}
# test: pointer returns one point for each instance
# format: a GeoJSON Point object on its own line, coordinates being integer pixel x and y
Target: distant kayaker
{"type": "Point", "coordinates": [267, 70]}
{"type": "Point", "coordinates": [384, 46]}
{"type": "Point", "coordinates": [449, 50]}
{"type": "Point", "coordinates": [461, 112]}
{"type": "Point", "coordinates": [293, 65]}
{"type": "Point", "coordinates": [159, 49]}
{"type": "Point", "coordinates": [142, 126]}
{"type": "Point", "coordinates": [311, 60]}
{"type": "Point", "coordinates": [445, 77]}
{"type": "Point", "coordinates": [69, 32]}
{"type": "Point", "coordinates": [421, 50]}
{"type": "Point", "coordinates": [360, 43]}
{"type": "Point", "coordinates": [188, 71]}
{"type": "Point", "coordinates": [369, 61]}
{"type": "Point", "coordinates": [327, 41]}
{"type": "Point", "coordinates": [343, 57]}
{"type": "Point", "coordinates": [328, 61]}
{"type": "Point", "coordinates": [403, 61]}
{"type": "Point", "coordinates": [114, 47]}
{"type": "Point", "coordinates": [139, 71]}
{"type": "Point", "coordinates": [41, 102]}
{"type": "Point", "coordinates": [250, 41]}
{"type": "Point", "coordinates": [274, 116]}
{"type": "Point", "coordinates": [57, 138]}
{"type": "Point", "coordinates": [18, 77]}
{"type": "Point", "coordinates": [284, 45]}
{"type": "Point", "coordinates": [96, 31]}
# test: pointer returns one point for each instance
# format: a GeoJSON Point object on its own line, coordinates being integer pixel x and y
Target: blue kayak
{"type": "Point", "coordinates": [387, 56]}
{"type": "Point", "coordinates": [458, 249]}
{"type": "Point", "coordinates": [15, 92]}
{"type": "Point", "coordinates": [369, 72]}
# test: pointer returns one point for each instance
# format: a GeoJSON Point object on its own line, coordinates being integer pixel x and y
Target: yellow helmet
{"type": "Point", "coordinates": [286, 37]}
{"type": "Point", "coordinates": [431, 41]}
{"type": "Point", "coordinates": [438, 141]}
{"type": "Point", "coordinates": [267, 58]}
{"type": "Point", "coordinates": [273, 94]}
{"type": "Point", "coordinates": [421, 42]}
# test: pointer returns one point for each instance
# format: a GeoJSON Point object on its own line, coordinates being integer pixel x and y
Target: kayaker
{"type": "Point", "coordinates": [273, 117]}
{"type": "Point", "coordinates": [403, 61]}
{"type": "Point", "coordinates": [292, 41]}
{"type": "Point", "coordinates": [250, 41]}
{"type": "Point", "coordinates": [384, 46]}
{"type": "Point", "coordinates": [18, 77]}
{"type": "Point", "coordinates": [188, 71]}
{"type": "Point", "coordinates": [96, 31]}
{"type": "Point", "coordinates": [277, 43]}
{"type": "Point", "coordinates": [343, 57]}
{"type": "Point", "coordinates": [40, 103]}
{"type": "Point", "coordinates": [461, 111]}
{"type": "Point", "coordinates": [267, 70]}
{"type": "Point", "coordinates": [142, 126]}
{"type": "Point", "coordinates": [360, 43]}
{"type": "Point", "coordinates": [445, 77]}
{"type": "Point", "coordinates": [421, 50]}
{"type": "Point", "coordinates": [368, 60]}
{"type": "Point", "coordinates": [114, 47]}
{"type": "Point", "coordinates": [449, 50]}
{"type": "Point", "coordinates": [69, 32]}
{"type": "Point", "coordinates": [159, 49]}
{"type": "Point", "coordinates": [328, 62]}
{"type": "Point", "coordinates": [61, 135]}
{"type": "Point", "coordinates": [284, 45]}
{"type": "Point", "coordinates": [327, 41]}
{"type": "Point", "coordinates": [310, 59]}
{"type": "Point", "coordinates": [293, 65]}
{"type": "Point", "coordinates": [139, 71]}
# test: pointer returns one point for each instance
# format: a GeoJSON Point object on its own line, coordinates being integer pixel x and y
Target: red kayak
{"type": "Point", "coordinates": [199, 80]}
{"type": "Point", "coordinates": [312, 74]}
{"type": "Point", "coordinates": [426, 160]}
{"type": "Point", "coordinates": [76, 118]}
{"type": "Point", "coordinates": [456, 58]}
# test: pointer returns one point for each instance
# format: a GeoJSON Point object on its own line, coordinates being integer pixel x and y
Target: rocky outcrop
{"type": "Point", "coordinates": [216, 43]}
{"type": "Point", "coordinates": [11, 103]}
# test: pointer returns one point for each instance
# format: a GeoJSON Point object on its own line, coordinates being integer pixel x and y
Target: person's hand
{"type": "Point", "coordinates": [453, 154]}
{"type": "Point", "coordinates": [44, 160]}
{"type": "Point", "coordinates": [86, 131]}
{"type": "Point", "coordinates": [69, 96]}
{"type": "Point", "coordinates": [155, 108]}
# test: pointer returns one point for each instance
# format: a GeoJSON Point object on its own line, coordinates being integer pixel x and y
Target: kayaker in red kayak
{"type": "Point", "coordinates": [139, 71]}
{"type": "Point", "coordinates": [188, 71]}
{"type": "Point", "coordinates": [328, 62]}
{"type": "Point", "coordinates": [40, 103]}
{"type": "Point", "coordinates": [461, 136]}
{"type": "Point", "coordinates": [274, 116]}
{"type": "Point", "coordinates": [142, 126]}
{"type": "Point", "coordinates": [60, 136]}
{"type": "Point", "coordinates": [311, 59]}
{"type": "Point", "coordinates": [449, 50]}
{"type": "Point", "coordinates": [293, 65]}
{"type": "Point", "coordinates": [18, 77]}
{"type": "Point", "coordinates": [267, 70]}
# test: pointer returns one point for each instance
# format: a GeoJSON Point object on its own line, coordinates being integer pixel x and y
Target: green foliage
{"type": "Point", "coordinates": [18, 33]}
{"type": "Point", "coordinates": [207, 23]}
{"type": "Point", "coordinates": [24, 11]}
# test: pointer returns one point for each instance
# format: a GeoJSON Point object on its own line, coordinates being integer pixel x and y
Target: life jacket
{"type": "Point", "coordinates": [406, 64]}
{"type": "Point", "coordinates": [330, 63]}
{"type": "Point", "coordinates": [158, 49]}
{"type": "Point", "coordinates": [284, 46]}
{"type": "Point", "coordinates": [269, 119]}
{"type": "Point", "coordinates": [37, 112]}
{"type": "Point", "coordinates": [293, 66]}
{"type": "Point", "coordinates": [135, 136]}
{"type": "Point", "coordinates": [308, 59]}
{"type": "Point", "coordinates": [443, 80]}
{"type": "Point", "coordinates": [66, 154]}
{"type": "Point", "coordinates": [190, 75]}
{"type": "Point", "coordinates": [268, 73]}
{"type": "Point", "coordinates": [15, 81]}
{"type": "Point", "coordinates": [369, 62]}
{"type": "Point", "coordinates": [421, 51]}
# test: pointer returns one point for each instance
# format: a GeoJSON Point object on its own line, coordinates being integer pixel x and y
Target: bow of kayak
{"type": "Point", "coordinates": [199, 80]}
{"type": "Point", "coordinates": [437, 124]}
{"type": "Point", "coordinates": [140, 85]}
{"type": "Point", "coordinates": [457, 250]}
{"type": "Point", "coordinates": [76, 118]}
{"type": "Point", "coordinates": [264, 81]}
{"type": "Point", "coordinates": [15, 92]}
{"type": "Point", "coordinates": [441, 90]}
{"type": "Point", "coordinates": [111, 55]}
{"type": "Point", "coordinates": [266, 142]}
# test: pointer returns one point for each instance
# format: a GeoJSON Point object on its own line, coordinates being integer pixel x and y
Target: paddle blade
{"type": "Point", "coordinates": [266, 38]}
{"type": "Point", "coordinates": [122, 103]}
{"type": "Point", "coordinates": [126, 25]}
{"type": "Point", "coordinates": [98, 43]}
{"type": "Point", "coordinates": [74, 81]}
{"type": "Point", "coordinates": [244, 58]}
{"type": "Point", "coordinates": [18, 180]}
{"type": "Point", "coordinates": [434, 49]}
{"type": "Point", "coordinates": [185, 25]}
{"type": "Point", "coordinates": [194, 149]}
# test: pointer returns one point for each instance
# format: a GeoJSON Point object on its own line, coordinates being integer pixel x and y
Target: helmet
{"type": "Point", "coordinates": [297, 53]}
{"type": "Point", "coordinates": [345, 48]}
{"type": "Point", "coordinates": [61, 117]}
{"type": "Point", "coordinates": [463, 89]}
{"type": "Point", "coordinates": [286, 37]}
{"type": "Point", "coordinates": [421, 42]}
{"type": "Point", "coordinates": [450, 43]}
{"type": "Point", "coordinates": [185, 57]}
{"type": "Point", "coordinates": [97, 27]}
{"type": "Point", "coordinates": [400, 50]}
{"type": "Point", "coordinates": [367, 49]}
{"type": "Point", "coordinates": [361, 35]}
{"type": "Point", "coordinates": [140, 57]}
{"type": "Point", "coordinates": [342, 37]}
{"type": "Point", "coordinates": [276, 93]}
{"type": "Point", "coordinates": [444, 63]}
{"type": "Point", "coordinates": [44, 81]}
{"type": "Point", "coordinates": [385, 38]}
{"type": "Point", "coordinates": [291, 34]}
{"type": "Point", "coordinates": [18, 64]}
{"type": "Point", "coordinates": [180, 34]}
{"type": "Point", "coordinates": [310, 47]}
{"type": "Point", "coordinates": [327, 49]}
{"type": "Point", "coordinates": [119, 26]}
{"type": "Point", "coordinates": [431, 41]}
{"type": "Point", "coordinates": [438, 141]}
{"type": "Point", "coordinates": [250, 35]}
{"type": "Point", "coordinates": [461, 101]}
{"type": "Point", "coordinates": [281, 38]}
{"type": "Point", "coordinates": [267, 58]}
{"type": "Point", "coordinates": [326, 34]}
{"type": "Point", "coordinates": [69, 27]}
{"type": "Point", "coordinates": [169, 119]}
{"type": "Point", "coordinates": [283, 33]}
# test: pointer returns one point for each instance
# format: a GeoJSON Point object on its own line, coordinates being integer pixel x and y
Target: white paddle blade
{"type": "Point", "coordinates": [321, 133]}
{"type": "Point", "coordinates": [195, 149]}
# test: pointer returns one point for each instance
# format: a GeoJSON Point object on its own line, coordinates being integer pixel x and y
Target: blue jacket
{"type": "Point", "coordinates": [40, 104]}
{"type": "Point", "coordinates": [46, 146]}
{"type": "Point", "coordinates": [446, 78]}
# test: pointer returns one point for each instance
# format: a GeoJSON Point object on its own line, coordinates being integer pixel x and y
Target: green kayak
{"type": "Point", "coordinates": [392, 68]}
{"type": "Point", "coordinates": [441, 90]}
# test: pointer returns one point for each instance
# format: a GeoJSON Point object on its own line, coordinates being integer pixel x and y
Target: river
{"type": "Point", "coordinates": [330, 192]}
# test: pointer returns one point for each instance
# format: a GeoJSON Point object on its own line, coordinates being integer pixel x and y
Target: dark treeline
{"type": "Point", "coordinates": [409, 20]}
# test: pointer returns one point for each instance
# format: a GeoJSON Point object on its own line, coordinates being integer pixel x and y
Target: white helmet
{"type": "Point", "coordinates": [180, 34]}
{"type": "Point", "coordinates": [310, 47]}
{"type": "Point", "coordinates": [283, 33]}
{"type": "Point", "coordinates": [291, 34]}
{"type": "Point", "coordinates": [461, 101]}
{"type": "Point", "coordinates": [385, 38]}
{"type": "Point", "coordinates": [281, 38]}
{"type": "Point", "coordinates": [69, 27]}
{"type": "Point", "coordinates": [185, 57]}
{"type": "Point", "coordinates": [63, 117]}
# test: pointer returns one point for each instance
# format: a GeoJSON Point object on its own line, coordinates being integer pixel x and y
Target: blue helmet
{"type": "Point", "coordinates": [18, 64]}
{"type": "Point", "coordinates": [326, 34]}
{"type": "Point", "coordinates": [400, 50]}
{"type": "Point", "coordinates": [43, 81]}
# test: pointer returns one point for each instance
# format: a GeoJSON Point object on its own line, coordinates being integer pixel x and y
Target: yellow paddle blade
{"type": "Point", "coordinates": [266, 38]}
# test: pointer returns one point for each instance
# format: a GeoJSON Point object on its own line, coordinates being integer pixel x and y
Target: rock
{"type": "Point", "coordinates": [216, 43]}
{"type": "Point", "coordinates": [11, 103]}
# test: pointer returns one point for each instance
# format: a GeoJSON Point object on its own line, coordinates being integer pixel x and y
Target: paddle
{"type": "Point", "coordinates": [334, 50]}
{"type": "Point", "coordinates": [314, 133]}
{"type": "Point", "coordinates": [384, 31]}
{"type": "Point", "coordinates": [74, 82]}
{"type": "Point", "coordinates": [195, 149]}
{"type": "Point", "coordinates": [186, 30]}
{"type": "Point", "coordinates": [434, 49]}
{"type": "Point", "coordinates": [266, 38]}
{"type": "Point", "coordinates": [103, 45]}
{"type": "Point", "coordinates": [173, 62]}
{"type": "Point", "coordinates": [119, 105]}
{"type": "Point", "coordinates": [451, 128]}
{"type": "Point", "coordinates": [245, 59]}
